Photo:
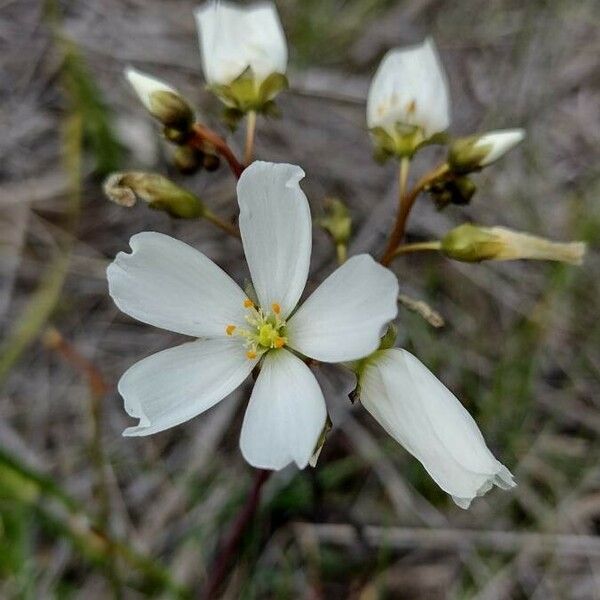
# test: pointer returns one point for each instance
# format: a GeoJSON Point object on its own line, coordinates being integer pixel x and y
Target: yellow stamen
{"type": "Point", "coordinates": [248, 303]}
{"type": "Point", "coordinates": [230, 329]}
{"type": "Point", "coordinates": [276, 308]}
{"type": "Point", "coordinates": [411, 107]}
{"type": "Point", "coordinates": [250, 354]}
{"type": "Point", "coordinates": [279, 342]}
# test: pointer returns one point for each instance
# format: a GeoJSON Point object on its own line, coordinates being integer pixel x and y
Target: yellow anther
{"type": "Point", "coordinates": [279, 342]}
{"type": "Point", "coordinates": [230, 329]}
{"type": "Point", "coordinates": [276, 308]}
{"type": "Point", "coordinates": [248, 303]}
{"type": "Point", "coordinates": [411, 107]}
{"type": "Point", "coordinates": [250, 354]}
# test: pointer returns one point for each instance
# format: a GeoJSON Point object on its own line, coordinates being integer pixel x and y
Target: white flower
{"type": "Point", "coordinates": [234, 38]}
{"type": "Point", "coordinates": [497, 143]}
{"type": "Point", "coordinates": [166, 283]}
{"type": "Point", "coordinates": [409, 94]}
{"type": "Point", "coordinates": [420, 413]}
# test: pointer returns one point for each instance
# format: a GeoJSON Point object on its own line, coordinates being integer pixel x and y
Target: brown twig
{"type": "Point", "coordinates": [201, 135]}
{"type": "Point", "coordinates": [407, 202]}
{"type": "Point", "coordinates": [222, 562]}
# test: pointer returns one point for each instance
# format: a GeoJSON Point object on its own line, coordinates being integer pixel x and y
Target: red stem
{"type": "Point", "coordinates": [222, 562]}
{"type": "Point", "coordinates": [202, 134]}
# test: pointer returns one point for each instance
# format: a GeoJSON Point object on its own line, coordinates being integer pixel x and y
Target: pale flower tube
{"type": "Point", "coordinates": [422, 415]}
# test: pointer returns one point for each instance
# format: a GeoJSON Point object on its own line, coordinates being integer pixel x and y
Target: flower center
{"type": "Point", "coordinates": [266, 330]}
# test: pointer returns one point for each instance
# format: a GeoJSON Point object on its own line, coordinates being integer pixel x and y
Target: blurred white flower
{"type": "Point", "coordinates": [408, 98]}
{"type": "Point", "coordinates": [245, 46]}
{"type": "Point", "coordinates": [166, 283]}
{"type": "Point", "coordinates": [161, 100]}
{"type": "Point", "coordinates": [478, 151]}
{"type": "Point", "coordinates": [420, 413]}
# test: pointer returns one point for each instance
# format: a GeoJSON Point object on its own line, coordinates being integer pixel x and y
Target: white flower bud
{"type": "Point", "coordinates": [161, 100]}
{"type": "Point", "coordinates": [408, 99]}
{"type": "Point", "coordinates": [478, 151]}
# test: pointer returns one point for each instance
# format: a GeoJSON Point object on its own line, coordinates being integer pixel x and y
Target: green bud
{"type": "Point", "coordinates": [472, 243]}
{"type": "Point", "coordinates": [159, 192]}
{"type": "Point", "coordinates": [211, 162]}
{"type": "Point", "coordinates": [458, 190]}
{"type": "Point", "coordinates": [187, 160]}
{"type": "Point", "coordinates": [337, 221]}
{"type": "Point", "coordinates": [171, 110]}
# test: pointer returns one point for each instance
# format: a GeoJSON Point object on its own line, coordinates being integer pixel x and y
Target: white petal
{"type": "Point", "coordinates": [347, 314]}
{"type": "Point", "coordinates": [168, 284]}
{"type": "Point", "coordinates": [420, 413]}
{"type": "Point", "coordinates": [175, 385]}
{"type": "Point", "coordinates": [276, 232]}
{"type": "Point", "coordinates": [410, 87]}
{"type": "Point", "coordinates": [499, 143]}
{"type": "Point", "coordinates": [234, 37]}
{"type": "Point", "coordinates": [285, 416]}
{"type": "Point", "coordinates": [145, 85]}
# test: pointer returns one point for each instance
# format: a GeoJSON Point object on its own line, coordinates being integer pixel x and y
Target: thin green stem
{"type": "Point", "coordinates": [225, 226]}
{"type": "Point", "coordinates": [342, 253]}
{"type": "Point", "coordinates": [417, 247]}
{"type": "Point", "coordinates": [250, 135]}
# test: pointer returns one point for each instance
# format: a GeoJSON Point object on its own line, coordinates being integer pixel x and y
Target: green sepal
{"type": "Point", "coordinates": [243, 95]}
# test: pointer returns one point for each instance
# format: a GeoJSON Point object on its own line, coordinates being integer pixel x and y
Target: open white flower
{"type": "Point", "coordinates": [423, 415]}
{"type": "Point", "coordinates": [408, 100]}
{"type": "Point", "coordinates": [244, 52]}
{"type": "Point", "coordinates": [168, 284]}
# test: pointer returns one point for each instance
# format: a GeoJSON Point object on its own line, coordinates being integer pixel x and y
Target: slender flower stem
{"type": "Point", "coordinates": [222, 562]}
{"type": "Point", "coordinates": [98, 389]}
{"type": "Point", "coordinates": [407, 201]}
{"type": "Point", "coordinates": [416, 247]}
{"type": "Point", "coordinates": [342, 253]}
{"type": "Point", "coordinates": [225, 226]}
{"type": "Point", "coordinates": [403, 179]}
{"type": "Point", "coordinates": [201, 134]}
{"type": "Point", "coordinates": [250, 135]}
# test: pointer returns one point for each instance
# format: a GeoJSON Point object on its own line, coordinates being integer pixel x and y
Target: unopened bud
{"type": "Point", "coordinates": [159, 192]}
{"type": "Point", "coordinates": [187, 160]}
{"type": "Point", "coordinates": [459, 190]}
{"type": "Point", "coordinates": [211, 162]}
{"type": "Point", "coordinates": [471, 243]}
{"type": "Point", "coordinates": [337, 221]}
{"type": "Point", "coordinates": [477, 151]}
{"type": "Point", "coordinates": [163, 102]}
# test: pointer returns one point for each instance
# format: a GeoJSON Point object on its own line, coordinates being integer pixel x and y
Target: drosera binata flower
{"type": "Point", "coordinates": [425, 417]}
{"type": "Point", "coordinates": [408, 102]}
{"type": "Point", "coordinates": [166, 283]}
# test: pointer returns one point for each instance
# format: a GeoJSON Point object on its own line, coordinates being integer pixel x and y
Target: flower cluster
{"type": "Point", "coordinates": [348, 319]}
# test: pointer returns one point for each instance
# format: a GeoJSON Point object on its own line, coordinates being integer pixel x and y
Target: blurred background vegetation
{"type": "Point", "coordinates": [85, 513]}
